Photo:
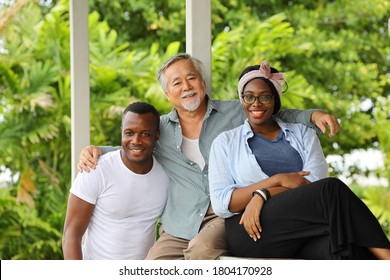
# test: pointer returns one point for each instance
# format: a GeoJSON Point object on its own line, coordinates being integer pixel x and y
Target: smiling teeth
{"type": "Point", "coordinates": [257, 112]}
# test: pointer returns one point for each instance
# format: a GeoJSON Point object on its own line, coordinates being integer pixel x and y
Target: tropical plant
{"type": "Point", "coordinates": [25, 235]}
{"type": "Point", "coordinates": [36, 123]}
{"type": "Point", "coordinates": [377, 200]}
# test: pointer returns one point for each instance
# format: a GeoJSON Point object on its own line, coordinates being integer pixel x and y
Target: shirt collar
{"type": "Point", "coordinates": [248, 132]}
{"type": "Point", "coordinates": [173, 116]}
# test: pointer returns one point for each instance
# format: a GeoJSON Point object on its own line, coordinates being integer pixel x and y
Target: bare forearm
{"type": "Point", "coordinates": [241, 196]}
{"type": "Point", "coordinates": [72, 249]}
{"type": "Point", "coordinates": [276, 184]}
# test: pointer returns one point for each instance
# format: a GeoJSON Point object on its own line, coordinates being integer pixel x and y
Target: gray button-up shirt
{"type": "Point", "coordinates": [188, 195]}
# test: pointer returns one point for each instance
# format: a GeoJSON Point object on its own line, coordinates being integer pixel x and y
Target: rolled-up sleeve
{"type": "Point", "coordinates": [221, 181]}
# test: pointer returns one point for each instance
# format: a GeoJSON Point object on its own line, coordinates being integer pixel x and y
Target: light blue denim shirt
{"type": "Point", "coordinates": [233, 165]}
{"type": "Point", "coordinates": [189, 196]}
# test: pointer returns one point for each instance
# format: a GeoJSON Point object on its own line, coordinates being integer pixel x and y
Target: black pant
{"type": "Point", "coordinates": [321, 220]}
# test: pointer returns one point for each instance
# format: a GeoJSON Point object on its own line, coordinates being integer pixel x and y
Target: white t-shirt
{"type": "Point", "coordinates": [191, 149]}
{"type": "Point", "coordinates": [127, 207]}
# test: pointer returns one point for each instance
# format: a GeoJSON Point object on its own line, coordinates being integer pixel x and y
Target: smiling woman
{"type": "Point", "coordinates": [269, 180]}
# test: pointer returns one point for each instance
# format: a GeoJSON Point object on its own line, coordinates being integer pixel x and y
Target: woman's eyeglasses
{"type": "Point", "coordinates": [263, 99]}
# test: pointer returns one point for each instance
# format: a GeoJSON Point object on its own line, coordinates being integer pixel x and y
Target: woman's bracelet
{"type": "Point", "coordinates": [261, 194]}
{"type": "Point", "coordinates": [267, 193]}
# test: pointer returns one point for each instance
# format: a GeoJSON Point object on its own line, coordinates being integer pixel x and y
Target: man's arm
{"type": "Point", "coordinates": [316, 119]}
{"type": "Point", "coordinates": [78, 215]}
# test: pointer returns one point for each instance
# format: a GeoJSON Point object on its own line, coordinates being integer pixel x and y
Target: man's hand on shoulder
{"type": "Point", "coordinates": [322, 119]}
{"type": "Point", "coordinates": [88, 158]}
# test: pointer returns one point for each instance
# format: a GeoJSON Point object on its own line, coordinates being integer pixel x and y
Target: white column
{"type": "Point", "coordinates": [198, 34]}
{"type": "Point", "coordinates": [79, 53]}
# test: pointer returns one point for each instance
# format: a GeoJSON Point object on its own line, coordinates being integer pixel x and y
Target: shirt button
{"type": "Point", "coordinates": [201, 214]}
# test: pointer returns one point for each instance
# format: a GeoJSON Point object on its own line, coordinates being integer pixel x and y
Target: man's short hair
{"type": "Point", "coordinates": [142, 108]}
{"type": "Point", "coordinates": [181, 56]}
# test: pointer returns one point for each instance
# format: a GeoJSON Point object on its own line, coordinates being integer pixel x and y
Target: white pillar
{"type": "Point", "coordinates": [198, 34]}
{"type": "Point", "coordinates": [79, 53]}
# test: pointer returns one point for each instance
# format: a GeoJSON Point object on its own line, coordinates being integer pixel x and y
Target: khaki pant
{"type": "Point", "coordinates": [208, 244]}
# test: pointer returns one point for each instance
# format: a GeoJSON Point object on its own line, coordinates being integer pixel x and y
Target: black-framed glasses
{"type": "Point", "coordinates": [263, 99]}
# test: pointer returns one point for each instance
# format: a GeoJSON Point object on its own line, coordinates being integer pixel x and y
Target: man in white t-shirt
{"type": "Point", "coordinates": [117, 205]}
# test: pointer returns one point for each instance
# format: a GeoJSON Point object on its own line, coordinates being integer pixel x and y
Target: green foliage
{"type": "Point", "coordinates": [144, 22]}
{"type": "Point", "coordinates": [24, 235]}
{"type": "Point", "coordinates": [35, 134]}
{"type": "Point", "coordinates": [382, 128]}
{"type": "Point", "coordinates": [377, 200]}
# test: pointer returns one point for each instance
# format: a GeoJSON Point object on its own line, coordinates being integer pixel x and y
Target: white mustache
{"type": "Point", "coordinates": [187, 93]}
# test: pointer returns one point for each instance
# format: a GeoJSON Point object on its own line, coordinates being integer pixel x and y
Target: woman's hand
{"type": "Point", "coordinates": [250, 219]}
{"type": "Point", "coordinates": [88, 158]}
{"type": "Point", "coordinates": [293, 180]}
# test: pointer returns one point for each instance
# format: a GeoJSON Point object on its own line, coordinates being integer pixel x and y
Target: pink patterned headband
{"type": "Point", "coordinates": [277, 79]}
